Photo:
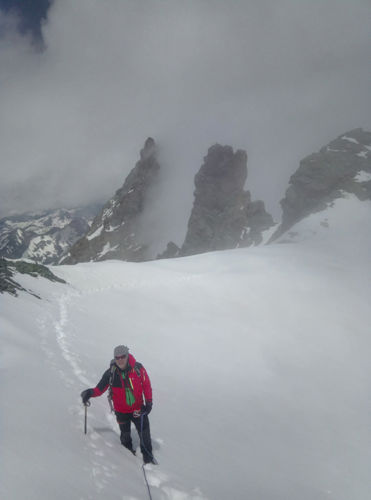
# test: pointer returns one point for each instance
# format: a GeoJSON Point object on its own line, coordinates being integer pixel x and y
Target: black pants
{"type": "Point", "coordinates": [124, 420]}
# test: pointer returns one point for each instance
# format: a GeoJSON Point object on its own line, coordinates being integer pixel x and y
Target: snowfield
{"type": "Point", "coordinates": [259, 361]}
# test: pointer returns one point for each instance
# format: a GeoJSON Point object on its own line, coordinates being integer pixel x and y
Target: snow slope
{"type": "Point", "coordinates": [259, 361]}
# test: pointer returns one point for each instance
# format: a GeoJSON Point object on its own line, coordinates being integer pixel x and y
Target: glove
{"type": "Point", "coordinates": [86, 395]}
{"type": "Point", "coordinates": [147, 407]}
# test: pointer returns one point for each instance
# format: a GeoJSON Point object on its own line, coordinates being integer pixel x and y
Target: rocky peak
{"type": "Point", "coordinates": [114, 232]}
{"type": "Point", "coordinates": [223, 214]}
{"type": "Point", "coordinates": [221, 177]}
{"type": "Point", "coordinates": [344, 165]}
{"type": "Point", "coordinates": [150, 149]}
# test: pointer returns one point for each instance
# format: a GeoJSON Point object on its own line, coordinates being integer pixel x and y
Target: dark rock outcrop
{"type": "Point", "coordinates": [172, 251]}
{"type": "Point", "coordinates": [344, 165]}
{"type": "Point", "coordinates": [8, 269]}
{"type": "Point", "coordinates": [114, 232]}
{"type": "Point", "coordinates": [223, 215]}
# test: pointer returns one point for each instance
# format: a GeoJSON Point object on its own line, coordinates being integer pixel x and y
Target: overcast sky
{"type": "Point", "coordinates": [279, 78]}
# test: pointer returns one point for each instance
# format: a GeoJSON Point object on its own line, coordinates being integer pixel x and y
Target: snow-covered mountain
{"type": "Point", "coordinates": [341, 168]}
{"type": "Point", "coordinates": [223, 215]}
{"type": "Point", "coordinates": [44, 237]}
{"type": "Point", "coordinates": [259, 361]}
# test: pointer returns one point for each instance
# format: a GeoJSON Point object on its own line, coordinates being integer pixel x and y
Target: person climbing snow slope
{"type": "Point", "coordinates": [130, 394]}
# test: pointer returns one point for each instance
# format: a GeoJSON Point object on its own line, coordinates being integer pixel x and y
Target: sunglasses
{"type": "Point", "coordinates": [121, 357]}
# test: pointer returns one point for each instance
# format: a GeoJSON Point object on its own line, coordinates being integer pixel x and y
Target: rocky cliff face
{"type": "Point", "coordinates": [343, 166]}
{"type": "Point", "coordinates": [223, 215]}
{"type": "Point", "coordinates": [46, 236]}
{"type": "Point", "coordinates": [114, 232]}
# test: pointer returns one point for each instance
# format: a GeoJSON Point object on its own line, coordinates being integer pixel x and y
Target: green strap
{"type": "Point", "coordinates": [130, 399]}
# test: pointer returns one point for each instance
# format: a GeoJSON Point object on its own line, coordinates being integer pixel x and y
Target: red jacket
{"type": "Point", "coordinates": [139, 386]}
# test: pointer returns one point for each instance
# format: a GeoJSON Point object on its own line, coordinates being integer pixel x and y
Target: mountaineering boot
{"type": "Point", "coordinates": [150, 460]}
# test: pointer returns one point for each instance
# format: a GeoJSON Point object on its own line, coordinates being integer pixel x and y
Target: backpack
{"type": "Point", "coordinates": [137, 367]}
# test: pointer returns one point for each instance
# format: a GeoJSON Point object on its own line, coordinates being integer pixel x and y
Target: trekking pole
{"type": "Point", "coordinates": [142, 443]}
{"type": "Point", "coordinates": [86, 416]}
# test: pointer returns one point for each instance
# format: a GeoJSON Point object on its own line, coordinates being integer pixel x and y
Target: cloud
{"type": "Point", "coordinates": [279, 78]}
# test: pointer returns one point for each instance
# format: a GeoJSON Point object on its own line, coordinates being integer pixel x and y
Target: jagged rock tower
{"type": "Point", "coordinates": [223, 215]}
{"type": "Point", "coordinates": [114, 232]}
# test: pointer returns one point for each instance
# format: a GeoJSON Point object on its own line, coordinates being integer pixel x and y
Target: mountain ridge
{"type": "Point", "coordinates": [223, 215]}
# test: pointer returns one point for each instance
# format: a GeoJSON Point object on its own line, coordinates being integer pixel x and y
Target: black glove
{"type": "Point", "coordinates": [147, 407]}
{"type": "Point", "coordinates": [86, 395]}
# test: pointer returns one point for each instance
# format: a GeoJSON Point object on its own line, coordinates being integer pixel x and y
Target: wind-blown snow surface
{"type": "Point", "coordinates": [259, 360]}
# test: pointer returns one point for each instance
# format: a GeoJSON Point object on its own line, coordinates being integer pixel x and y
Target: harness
{"type": "Point", "coordinates": [137, 367]}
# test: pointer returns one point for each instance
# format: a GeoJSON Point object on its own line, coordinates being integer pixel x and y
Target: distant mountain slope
{"type": "Point", "coordinates": [44, 237]}
{"type": "Point", "coordinates": [343, 166]}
